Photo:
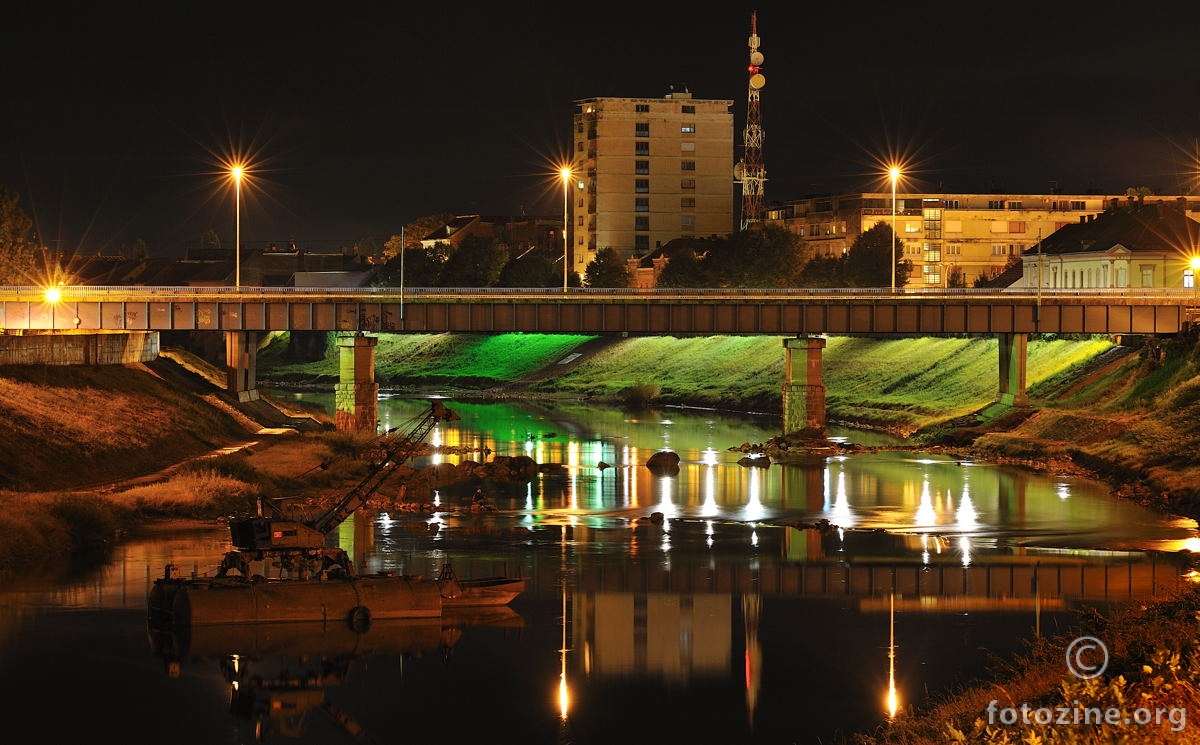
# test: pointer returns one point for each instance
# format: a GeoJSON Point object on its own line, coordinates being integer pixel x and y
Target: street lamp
{"type": "Point", "coordinates": [236, 172]}
{"type": "Point", "coordinates": [566, 179]}
{"type": "Point", "coordinates": [894, 174]}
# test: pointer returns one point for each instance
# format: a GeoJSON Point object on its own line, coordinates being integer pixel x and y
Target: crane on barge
{"type": "Point", "coordinates": [296, 549]}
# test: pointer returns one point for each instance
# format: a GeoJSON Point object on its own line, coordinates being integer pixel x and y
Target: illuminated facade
{"type": "Point", "coordinates": [1130, 245]}
{"type": "Point", "coordinates": [950, 239]}
{"type": "Point", "coordinates": [649, 170]}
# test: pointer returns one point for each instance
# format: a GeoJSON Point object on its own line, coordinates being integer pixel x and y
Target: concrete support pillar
{"type": "Point", "coordinates": [1013, 358]}
{"type": "Point", "coordinates": [803, 387]}
{"type": "Point", "coordinates": [241, 348]}
{"type": "Point", "coordinates": [356, 395]}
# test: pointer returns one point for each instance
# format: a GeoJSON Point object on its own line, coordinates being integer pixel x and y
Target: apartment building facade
{"type": "Point", "coordinates": [951, 239]}
{"type": "Point", "coordinates": [647, 171]}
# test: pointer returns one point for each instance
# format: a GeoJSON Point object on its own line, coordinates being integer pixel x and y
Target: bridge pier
{"type": "Point", "coordinates": [1013, 360]}
{"type": "Point", "coordinates": [241, 366]}
{"type": "Point", "coordinates": [803, 387]}
{"type": "Point", "coordinates": [356, 395]}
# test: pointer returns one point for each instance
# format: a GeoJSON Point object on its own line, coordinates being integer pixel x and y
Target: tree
{"type": "Point", "coordinates": [761, 256]}
{"type": "Point", "coordinates": [414, 233]}
{"type": "Point", "coordinates": [475, 263]}
{"type": "Point", "coordinates": [17, 251]}
{"type": "Point", "coordinates": [530, 269]}
{"type": "Point", "coordinates": [684, 269]}
{"type": "Point", "coordinates": [419, 267]}
{"type": "Point", "coordinates": [869, 263]}
{"type": "Point", "coordinates": [606, 270]}
{"type": "Point", "coordinates": [955, 276]}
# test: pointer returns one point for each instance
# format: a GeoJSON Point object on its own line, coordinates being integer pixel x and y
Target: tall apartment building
{"type": "Point", "coordinates": [941, 234]}
{"type": "Point", "coordinates": [651, 170]}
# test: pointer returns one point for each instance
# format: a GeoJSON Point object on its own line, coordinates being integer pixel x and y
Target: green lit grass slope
{"type": "Point", "coordinates": [901, 384]}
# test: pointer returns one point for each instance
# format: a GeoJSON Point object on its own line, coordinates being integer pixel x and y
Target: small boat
{"type": "Point", "coordinates": [479, 591]}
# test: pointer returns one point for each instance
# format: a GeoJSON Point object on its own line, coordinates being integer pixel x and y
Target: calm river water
{"type": "Point", "coordinates": [776, 604]}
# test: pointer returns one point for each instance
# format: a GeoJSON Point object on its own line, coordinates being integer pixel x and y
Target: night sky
{"type": "Point", "coordinates": [359, 120]}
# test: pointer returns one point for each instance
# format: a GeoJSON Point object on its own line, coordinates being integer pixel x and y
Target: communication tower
{"type": "Point", "coordinates": [750, 171]}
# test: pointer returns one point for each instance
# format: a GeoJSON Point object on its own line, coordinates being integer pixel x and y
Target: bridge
{"type": "Point", "coordinates": [801, 316]}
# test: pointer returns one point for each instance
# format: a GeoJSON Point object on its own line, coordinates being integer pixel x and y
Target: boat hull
{"type": "Point", "coordinates": [232, 601]}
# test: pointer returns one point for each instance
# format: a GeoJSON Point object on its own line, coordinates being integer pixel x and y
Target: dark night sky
{"type": "Point", "coordinates": [361, 119]}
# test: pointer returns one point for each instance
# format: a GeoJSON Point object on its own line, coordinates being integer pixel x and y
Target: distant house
{"type": "Point", "coordinates": [519, 233]}
{"type": "Point", "coordinates": [1129, 245]}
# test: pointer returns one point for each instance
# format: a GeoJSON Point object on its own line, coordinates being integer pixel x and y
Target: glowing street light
{"type": "Point", "coordinates": [894, 174]}
{"type": "Point", "coordinates": [236, 172]}
{"type": "Point", "coordinates": [565, 172]}
{"type": "Point", "coordinates": [1195, 265]}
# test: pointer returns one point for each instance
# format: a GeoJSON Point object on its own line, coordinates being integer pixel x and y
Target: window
{"type": "Point", "coordinates": [950, 204]}
{"type": "Point", "coordinates": [688, 129]}
{"type": "Point", "coordinates": [933, 252]}
{"type": "Point", "coordinates": [641, 222]}
{"type": "Point", "coordinates": [687, 183]}
{"type": "Point", "coordinates": [995, 204]}
{"type": "Point", "coordinates": [1078, 204]}
{"type": "Point", "coordinates": [1189, 277]}
{"type": "Point", "coordinates": [912, 227]}
{"type": "Point", "coordinates": [687, 165]}
{"type": "Point", "coordinates": [953, 249]}
{"type": "Point", "coordinates": [641, 204]}
{"type": "Point", "coordinates": [999, 249]}
{"type": "Point", "coordinates": [641, 108]}
{"type": "Point", "coordinates": [642, 167]}
{"type": "Point", "coordinates": [687, 222]}
{"type": "Point", "coordinates": [687, 108]}
{"type": "Point", "coordinates": [687, 147]}
{"type": "Point", "coordinates": [641, 148]}
{"type": "Point", "coordinates": [931, 274]}
{"type": "Point", "coordinates": [687, 202]}
{"type": "Point", "coordinates": [641, 186]}
{"type": "Point", "coordinates": [641, 129]}
{"type": "Point", "coordinates": [641, 243]}
{"type": "Point", "coordinates": [1147, 272]}
{"type": "Point", "coordinates": [1015, 205]}
{"type": "Point", "coordinates": [1016, 226]}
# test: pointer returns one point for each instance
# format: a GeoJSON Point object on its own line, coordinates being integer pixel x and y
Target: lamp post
{"type": "Point", "coordinates": [566, 179]}
{"type": "Point", "coordinates": [1195, 264]}
{"type": "Point", "coordinates": [236, 172]}
{"type": "Point", "coordinates": [894, 174]}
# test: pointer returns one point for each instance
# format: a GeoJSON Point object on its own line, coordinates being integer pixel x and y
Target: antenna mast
{"type": "Point", "coordinates": [750, 171]}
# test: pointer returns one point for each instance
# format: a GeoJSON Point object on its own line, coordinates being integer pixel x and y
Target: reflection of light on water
{"type": "Point", "coordinates": [754, 507]}
{"type": "Point", "coordinates": [666, 487]}
{"type": "Point", "coordinates": [753, 537]}
{"type": "Point", "coordinates": [964, 546]}
{"type": "Point", "coordinates": [710, 492]}
{"type": "Point", "coordinates": [1062, 490]}
{"type": "Point", "coordinates": [564, 696]}
{"type": "Point", "coordinates": [966, 514]}
{"type": "Point", "coordinates": [708, 533]}
{"type": "Point", "coordinates": [893, 700]}
{"type": "Point", "coordinates": [841, 503]}
{"type": "Point", "coordinates": [709, 457]}
{"type": "Point", "coordinates": [926, 515]}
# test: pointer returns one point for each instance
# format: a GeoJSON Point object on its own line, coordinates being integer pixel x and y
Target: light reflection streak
{"type": "Point", "coordinates": [841, 504]}
{"type": "Point", "coordinates": [926, 516]}
{"type": "Point", "coordinates": [964, 546]}
{"type": "Point", "coordinates": [967, 516]}
{"type": "Point", "coordinates": [893, 700]}
{"type": "Point", "coordinates": [1063, 490]}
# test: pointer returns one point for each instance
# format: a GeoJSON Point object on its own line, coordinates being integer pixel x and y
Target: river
{"type": "Point", "coordinates": [727, 602]}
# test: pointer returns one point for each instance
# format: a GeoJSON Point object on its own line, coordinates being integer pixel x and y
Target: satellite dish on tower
{"type": "Point", "coordinates": [756, 58]}
{"type": "Point", "coordinates": [757, 80]}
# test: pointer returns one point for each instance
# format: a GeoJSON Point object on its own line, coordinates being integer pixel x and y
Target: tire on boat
{"type": "Point", "coordinates": [359, 618]}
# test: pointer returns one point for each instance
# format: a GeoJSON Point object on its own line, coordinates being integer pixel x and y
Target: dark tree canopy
{"type": "Point", "coordinates": [475, 263]}
{"type": "Point", "coordinates": [607, 270]}
{"type": "Point", "coordinates": [18, 253]}
{"type": "Point", "coordinates": [531, 269]}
